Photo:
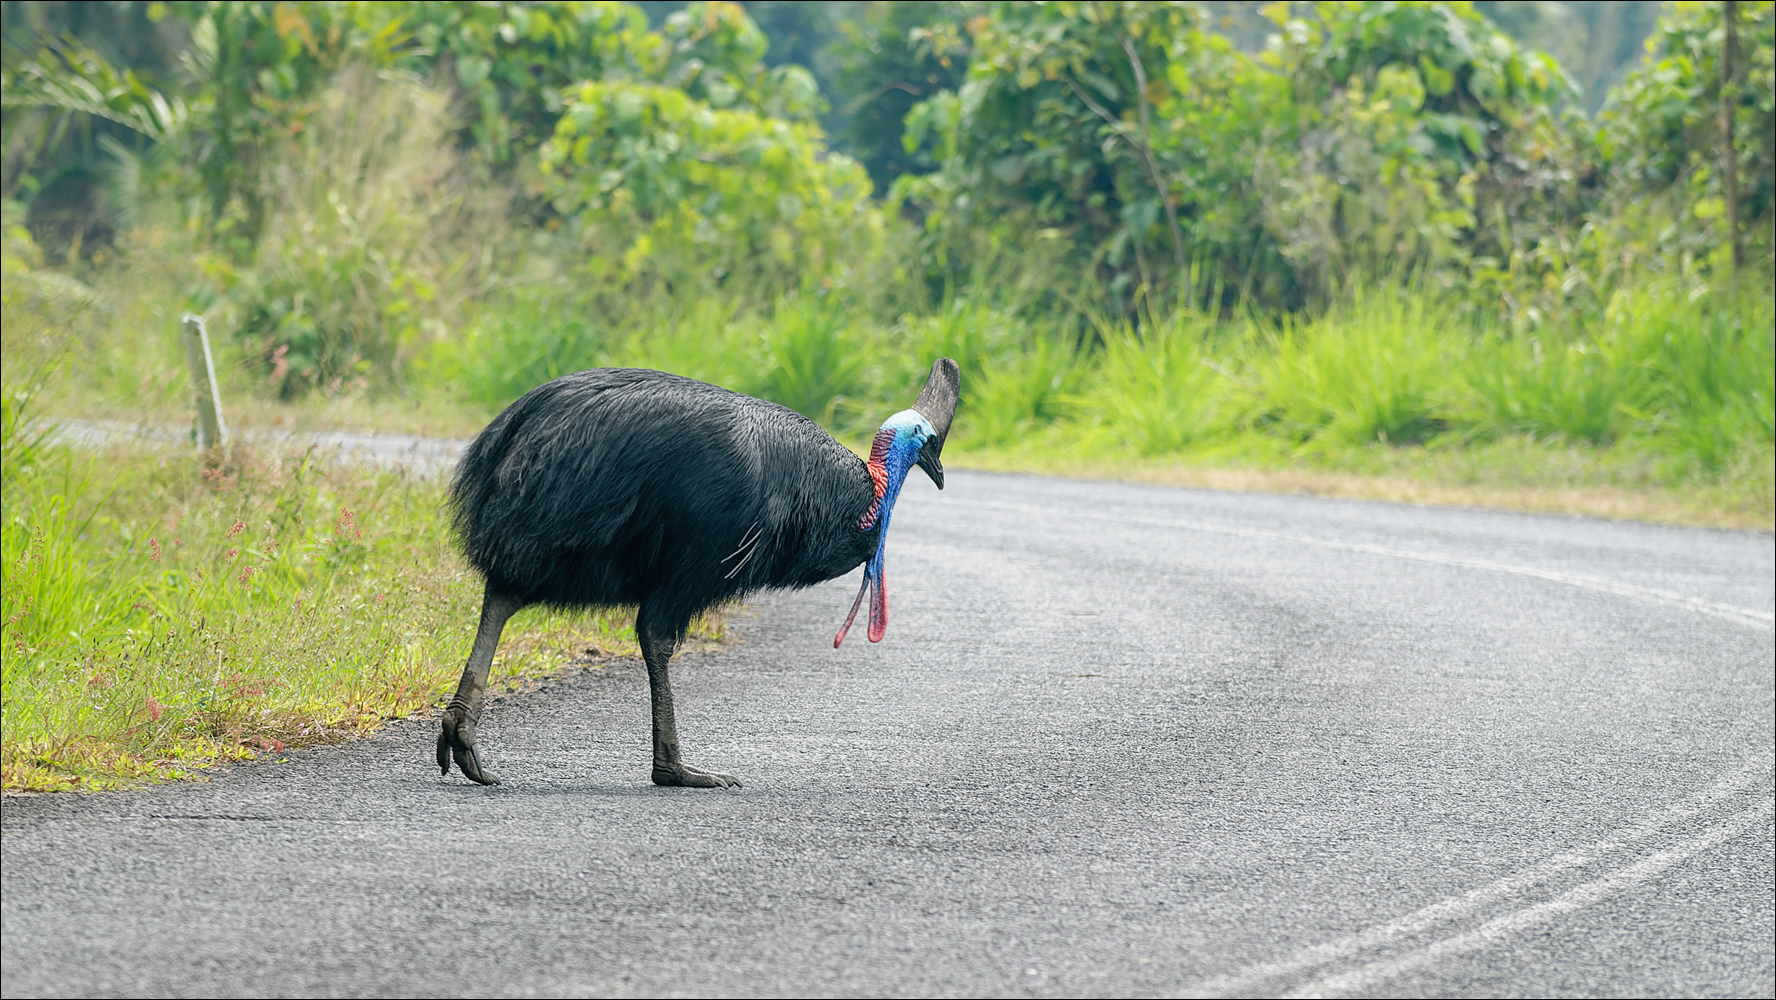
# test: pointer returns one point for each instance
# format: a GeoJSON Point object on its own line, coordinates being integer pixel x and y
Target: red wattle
{"type": "Point", "coordinates": [878, 622]}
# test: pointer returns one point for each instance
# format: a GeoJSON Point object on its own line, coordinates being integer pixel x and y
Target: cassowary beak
{"type": "Point", "coordinates": [928, 461]}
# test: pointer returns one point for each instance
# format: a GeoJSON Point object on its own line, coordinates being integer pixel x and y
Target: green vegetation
{"type": "Point", "coordinates": [1381, 249]}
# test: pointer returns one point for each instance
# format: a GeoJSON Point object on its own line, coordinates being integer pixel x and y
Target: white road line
{"type": "Point", "coordinates": [1744, 616]}
{"type": "Point", "coordinates": [1366, 977]}
{"type": "Point", "coordinates": [1246, 981]}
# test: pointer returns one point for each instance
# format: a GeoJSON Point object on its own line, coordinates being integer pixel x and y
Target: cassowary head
{"type": "Point", "coordinates": [910, 437]}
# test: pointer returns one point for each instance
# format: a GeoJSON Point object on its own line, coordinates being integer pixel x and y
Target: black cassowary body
{"type": "Point", "coordinates": [635, 487]}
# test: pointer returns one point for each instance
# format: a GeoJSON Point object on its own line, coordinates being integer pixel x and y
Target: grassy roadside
{"type": "Point", "coordinates": [164, 614]}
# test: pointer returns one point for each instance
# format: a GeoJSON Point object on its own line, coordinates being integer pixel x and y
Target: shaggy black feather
{"type": "Point", "coordinates": [633, 487]}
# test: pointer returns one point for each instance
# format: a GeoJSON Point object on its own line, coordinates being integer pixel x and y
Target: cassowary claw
{"type": "Point", "coordinates": [458, 741]}
{"type": "Point", "coordinates": [686, 776]}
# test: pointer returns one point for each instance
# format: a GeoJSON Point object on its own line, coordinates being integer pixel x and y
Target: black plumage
{"type": "Point", "coordinates": [633, 487]}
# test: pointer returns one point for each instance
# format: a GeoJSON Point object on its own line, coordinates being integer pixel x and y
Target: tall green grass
{"type": "Point", "coordinates": [1160, 392]}
{"type": "Point", "coordinates": [1664, 369]}
{"type": "Point", "coordinates": [805, 359]}
{"type": "Point", "coordinates": [1370, 370]}
{"type": "Point", "coordinates": [514, 343]}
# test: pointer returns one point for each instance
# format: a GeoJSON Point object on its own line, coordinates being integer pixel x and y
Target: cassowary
{"type": "Point", "coordinates": [632, 487]}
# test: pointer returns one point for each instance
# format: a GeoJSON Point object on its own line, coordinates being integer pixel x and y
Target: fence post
{"type": "Point", "coordinates": [211, 431]}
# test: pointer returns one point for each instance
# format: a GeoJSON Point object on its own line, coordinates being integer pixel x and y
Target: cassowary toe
{"type": "Point", "coordinates": [457, 741]}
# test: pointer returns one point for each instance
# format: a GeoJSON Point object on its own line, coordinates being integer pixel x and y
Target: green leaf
{"type": "Point", "coordinates": [1438, 81]}
{"type": "Point", "coordinates": [472, 71]}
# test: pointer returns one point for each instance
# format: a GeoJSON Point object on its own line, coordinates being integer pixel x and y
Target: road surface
{"type": "Point", "coordinates": [1119, 740]}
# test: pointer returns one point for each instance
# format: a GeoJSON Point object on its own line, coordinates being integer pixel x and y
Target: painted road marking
{"type": "Point", "coordinates": [1737, 781]}
{"type": "Point", "coordinates": [1366, 977]}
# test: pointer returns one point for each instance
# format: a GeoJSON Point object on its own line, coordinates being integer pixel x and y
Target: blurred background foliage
{"type": "Point", "coordinates": [438, 204]}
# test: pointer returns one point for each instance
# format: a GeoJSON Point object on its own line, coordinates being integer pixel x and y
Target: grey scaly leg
{"type": "Point", "coordinates": [464, 711]}
{"type": "Point", "coordinates": [669, 765]}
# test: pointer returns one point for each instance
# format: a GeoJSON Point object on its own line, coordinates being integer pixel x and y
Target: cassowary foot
{"type": "Point", "coordinates": [458, 741]}
{"type": "Point", "coordinates": [686, 776]}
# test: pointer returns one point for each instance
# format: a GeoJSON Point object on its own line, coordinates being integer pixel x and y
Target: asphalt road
{"type": "Point", "coordinates": [1119, 740]}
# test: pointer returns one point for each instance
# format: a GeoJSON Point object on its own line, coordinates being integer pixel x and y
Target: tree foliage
{"type": "Point", "coordinates": [674, 157]}
{"type": "Point", "coordinates": [1128, 143]}
{"type": "Point", "coordinates": [1365, 136]}
{"type": "Point", "coordinates": [256, 69]}
{"type": "Point", "coordinates": [898, 53]}
{"type": "Point", "coordinates": [513, 60]}
{"type": "Point", "coordinates": [1659, 133]}
{"type": "Point", "coordinates": [656, 182]}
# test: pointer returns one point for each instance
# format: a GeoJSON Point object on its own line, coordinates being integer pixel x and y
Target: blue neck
{"type": "Point", "coordinates": [897, 462]}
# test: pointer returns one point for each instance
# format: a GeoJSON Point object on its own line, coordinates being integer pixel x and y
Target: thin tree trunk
{"type": "Point", "coordinates": [1128, 45]}
{"type": "Point", "coordinates": [1120, 130]}
{"type": "Point", "coordinates": [1729, 155]}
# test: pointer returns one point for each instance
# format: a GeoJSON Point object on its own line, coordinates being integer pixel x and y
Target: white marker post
{"type": "Point", "coordinates": [211, 431]}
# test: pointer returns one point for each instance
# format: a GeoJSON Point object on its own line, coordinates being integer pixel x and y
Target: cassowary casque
{"type": "Point", "coordinates": [625, 486]}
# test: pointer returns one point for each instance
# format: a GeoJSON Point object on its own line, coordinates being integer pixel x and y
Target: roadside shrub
{"type": "Point", "coordinates": [664, 191]}
{"type": "Point", "coordinates": [376, 245]}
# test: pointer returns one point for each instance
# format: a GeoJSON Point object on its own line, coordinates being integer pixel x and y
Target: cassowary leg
{"type": "Point", "coordinates": [464, 711]}
{"type": "Point", "coordinates": [669, 765]}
